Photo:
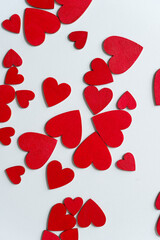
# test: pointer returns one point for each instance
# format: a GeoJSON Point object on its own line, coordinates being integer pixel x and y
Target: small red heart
{"type": "Point", "coordinates": [67, 125]}
{"type": "Point", "coordinates": [39, 148]}
{"type": "Point", "coordinates": [5, 113]}
{"type": "Point", "coordinates": [109, 126]}
{"type": "Point", "coordinates": [79, 37]}
{"type": "Point", "coordinates": [100, 73]}
{"type": "Point", "coordinates": [55, 93]}
{"type": "Point", "coordinates": [70, 234]}
{"type": "Point", "coordinates": [12, 58]}
{"type": "Point", "coordinates": [13, 24]}
{"type": "Point", "coordinates": [127, 101]}
{"type": "Point", "coordinates": [12, 76]}
{"type": "Point", "coordinates": [71, 10]}
{"type": "Point", "coordinates": [59, 220]}
{"type": "Point", "coordinates": [127, 163]}
{"type": "Point", "coordinates": [24, 96]}
{"type": "Point", "coordinates": [5, 135]}
{"type": "Point", "coordinates": [49, 236]}
{"type": "Point", "coordinates": [7, 94]}
{"type": "Point", "coordinates": [58, 177]}
{"type": "Point", "coordinates": [93, 150]}
{"type": "Point", "coordinates": [73, 205]}
{"type": "Point", "coordinates": [157, 87]}
{"type": "Point", "coordinates": [158, 226]}
{"type": "Point", "coordinates": [124, 53]}
{"type": "Point", "coordinates": [38, 22]}
{"type": "Point", "coordinates": [14, 174]}
{"type": "Point", "coordinates": [91, 213]}
{"type": "Point", "coordinates": [46, 4]}
{"type": "Point", "coordinates": [157, 203]}
{"type": "Point", "coordinates": [97, 100]}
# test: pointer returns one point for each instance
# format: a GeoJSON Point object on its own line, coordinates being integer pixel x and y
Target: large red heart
{"type": "Point", "coordinates": [127, 101]}
{"type": "Point", "coordinates": [127, 163]}
{"type": "Point", "coordinates": [14, 173]}
{"type": "Point", "coordinates": [24, 96]}
{"type": "Point", "coordinates": [59, 220]}
{"type": "Point", "coordinates": [91, 213]}
{"type": "Point", "coordinates": [7, 94]}
{"type": "Point", "coordinates": [55, 93]}
{"type": "Point", "coordinates": [5, 135]}
{"type": "Point", "coordinates": [157, 203]}
{"type": "Point", "coordinates": [73, 205]}
{"type": "Point", "coordinates": [13, 24]}
{"type": "Point", "coordinates": [79, 37]}
{"type": "Point", "coordinates": [124, 53]}
{"type": "Point", "coordinates": [157, 87]}
{"type": "Point", "coordinates": [12, 76]}
{"type": "Point", "coordinates": [97, 100]}
{"type": "Point", "coordinates": [109, 126]}
{"type": "Point", "coordinates": [58, 177]}
{"type": "Point", "coordinates": [93, 150]}
{"type": "Point", "coordinates": [71, 10]}
{"type": "Point", "coordinates": [38, 22]}
{"type": "Point", "coordinates": [70, 234]}
{"type": "Point", "coordinates": [12, 58]}
{"type": "Point", "coordinates": [100, 73]}
{"type": "Point", "coordinates": [46, 4]}
{"type": "Point", "coordinates": [67, 125]}
{"type": "Point", "coordinates": [49, 236]}
{"type": "Point", "coordinates": [39, 148]}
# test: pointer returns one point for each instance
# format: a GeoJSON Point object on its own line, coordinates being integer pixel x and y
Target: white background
{"type": "Point", "coordinates": [126, 198]}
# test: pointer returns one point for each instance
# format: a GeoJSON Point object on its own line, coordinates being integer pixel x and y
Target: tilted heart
{"type": "Point", "coordinates": [97, 100]}
{"type": "Point", "coordinates": [124, 53]}
{"type": "Point", "coordinates": [93, 150]}
{"type": "Point", "coordinates": [127, 101]}
{"type": "Point", "coordinates": [46, 4]}
{"type": "Point", "coordinates": [73, 205]}
{"type": "Point", "coordinates": [67, 125]}
{"type": "Point", "coordinates": [5, 135]}
{"type": "Point", "coordinates": [127, 163]}
{"type": "Point", "coordinates": [13, 24]}
{"type": "Point", "coordinates": [58, 177]}
{"type": "Point", "coordinates": [79, 37]}
{"type": "Point", "coordinates": [24, 96]}
{"type": "Point", "coordinates": [12, 76]}
{"type": "Point", "coordinates": [100, 73]}
{"type": "Point", "coordinates": [70, 234]}
{"type": "Point", "coordinates": [91, 213]}
{"type": "Point", "coordinates": [39, 148]}
{"type": "Point", "coordinates": [38, 22]}
{"type": "Point", "coordinates": [49, 236]}
{"type": "Point", "coordinates": [157, 203]}
{"type": "Point", "coordinates": [12, 59]}
{"type": "Point", "coordinates": [109, 126]}
{"type": "Point", "coordinates": [14, 174]}
{"type": "Point", "coordinates": [59, 220]}
{"type": "Point", "coordinates": [55, 93]}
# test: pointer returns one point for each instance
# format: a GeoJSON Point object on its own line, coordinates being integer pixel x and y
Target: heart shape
{"type": "Point", "coordinates": [13, 24]}
{"type": "Point", "coordinates": [91, 213]}
{"type": "Point", "coordinates": [55, 93]}
{"type": "Point", "coordinates": [71, 10]}
{"type": "Point", "coordinates": [97, 100]}
{"type": "Point", "coordinates": [79, 37]}
{"type": "Point", "coordinates": [7, 94]}
{"type": "Point", "coordinates": [49, 236]}
{"type": "Point", "coordinates": [70, 234]}
{"type": "Point", "coordinates": [100, 73]}
{"type": "Point", "coordinates": [46, 4]}
{"type": "Point", "coordinates": [58, 177]}
{"type": "Point", "coordinates": [157, 203]}
{"type": "Point", "coordinates": [93, 150]}
{"type": "Point", "coordinates": [15, 173]}
{"type": "Point", "coordinates": [5, 113]}
{"type": "Point", "coordinates": [5, 135]}
{"type": "Point", "coordinates": [109, 126]}
{"type": "Point", "coordinates": [24, 96]}
{"type": "Point", "coordinates": [39, 148]}
{"type": "Point", "coordinates": [38, 22]}
{"type": "Point", "coordinates": [157, 87]}
{"type": "Point", "coordinates": [127, 163]}
{"type": "Point", "coordinates": [12, 76]}
{"type": "Point", "coordinates": [124, 53]}
{"type": "Point", "coordinates": [127, 101]}
{"type": "Point", "coordinates": [59, 220]}
{"type": "Point", "coordinates": [12, 59]}
{"type": "Point", "coordinates": [73, 205]}
{"type": "Point", "coordinates": [67, 125]}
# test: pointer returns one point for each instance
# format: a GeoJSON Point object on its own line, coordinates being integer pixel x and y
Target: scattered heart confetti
{"type": "Point", "coordinates": [7, 94]}
{"type": "Point", "coordinates": [124, 53]}
{"type": "Point", "coordinates": [5, 135]}
{"type": "Point", "coordinates": [49, 236]}
{"type": "Point", "coordinates": [55, 93]}
{"type": "Point", "coordinates": [5, 113]}
{"type": "Point", "coordinates": [127, 163]}
{"type": "Point", "coordinates": [79, 37]}
{"type": "Point", "coordinates": [24, 96]}
{"type": "Point", "coordinates": [73, 205]}
{"type": "Point", "coordinates": [14, 174]}
{"type": "Point", "coordinates": [39, 148]}
{"type": "Point", "coordinates": [157, 87]}
{"type": "Point", "coordinates": [12, 77]}
{"type": "Point", "coordinates": [12, 59]}
{"type": "Point", "coordinates": [100, 73]}
{"type": "Point", "coordinates": [158, 226]}
{"type": "Point", "coordinates": [46, 4]}
{"type": "Point", "coordinates": [13, 24]}
{"type": "Point", "coordinates": [127, 101]}
{"type": "Point", "coordinates": [70, 234]}
{"type": "Point", "coordinates": [157, 203]}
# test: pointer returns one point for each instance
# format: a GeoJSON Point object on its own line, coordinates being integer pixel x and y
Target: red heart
{"type": "Point", "coordinates": [109, 126]}
{"type": "Point", "coordinates": [124, 53]}
{"type": "Point", "coordinates": [128, 163]}
{"type": "Point", "coordinates": [59, 220]}
{"type": "Point", "coordinates": [13, 24]}
{"type": "Point", "coordinates": [67, 125]}
{"type": "Point", "coordinates": [91, 213]}
{"type": "Point", "coordinates": [58, 177]}
{"type": "Point", "coordinates": [39, 148]}
{"type": "Point", "coordinates": [12, 76]}
{"type": "Point", "coordinates": [14, 174]}
{"type": "Point", "coordinates": [55, 93]}
{"type": "Point", "coordinates": [24, 96]}
{"type": "Point", "coordinates": [7, 94]}
{"type": "Point", "coordinates": [158, 226]}
{"type": "Point", "coordinates": [127, 101]}
{"type": "Point", "coordinates": [49, 236]}
{"type": "Point", "coordinates": [70, 234]}
{"type": "Point", "coordinates": [47, 4]}
{"type": "Point", "coordinates": [79, 37]}
{"type": "Point", "coordinates": [71, 10]}
{"type": "Point", "coordinates": [5, 135]}
{"type": "Point", "coordinates": [157, 203]}
{"type": "Point", "coordinates": [38, 22]}
{"type": "Point", "coordinates": [157, 87]}
{"type": "Point", "coordinates": [5, 113]}
{"type": "Point", "coordinates": [100, 73]}
{"type": "Point", "coordinates": [73, 205]}
{"type": "Point", "coordinates": [12, 58]}
{"type": "Point", "coordinates": [97, 100]}
{"type": "Point", "coordinates": [93, 150]}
